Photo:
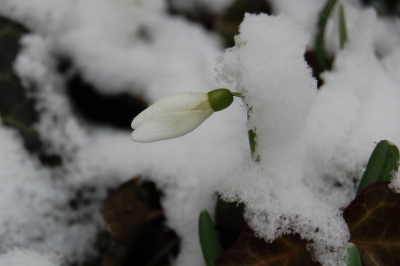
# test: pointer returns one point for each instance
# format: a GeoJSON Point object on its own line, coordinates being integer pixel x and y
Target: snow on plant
{"type": "Point", "coordinates": [26, 257]}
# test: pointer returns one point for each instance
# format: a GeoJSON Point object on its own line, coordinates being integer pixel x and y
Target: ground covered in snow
{"type": "Point", "coordinates": [313, 143]}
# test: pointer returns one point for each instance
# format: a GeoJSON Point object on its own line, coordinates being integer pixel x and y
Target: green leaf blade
{"type": "Point", "coordinates": [319, 41]}
{"type": "Point", "coordinates": [354, 256]}
{"type": "Point", "coordinates": [383, 161]}
{"type": "Point", "coordinates": [209, 242]}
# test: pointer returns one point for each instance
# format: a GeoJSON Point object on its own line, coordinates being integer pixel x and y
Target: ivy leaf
{"type": "Point", "coordinates": [373, 220]}
{"type": "Point", "coordinates": [252, 251]}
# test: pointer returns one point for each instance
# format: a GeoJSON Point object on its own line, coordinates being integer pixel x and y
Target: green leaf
{"type": "Point", "coordinates": [209, 242]}
{"type": "Point", "coordinates": [229, 221]}
{"type": "Point", "coordinates": [250, 250]}
{"type": "Point", "coordinates": [342, 26]}
{"type": "Point", "coordinates": [319, 41]}
{"type": "Point", "coordinates": [354, 256]}
{"type": "Point", "coordinates": [373, 220]}
{"type": "Point", "coordinates": [383, 161]}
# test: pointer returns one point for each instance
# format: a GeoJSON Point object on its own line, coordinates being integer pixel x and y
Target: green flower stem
{"type": "Point", "coordinates": [252, 134]}
{"type": "Point", "coordinates": [342, 26]}
{"type": "Point", "coordinates": [237, 94]}
{"type": "Point", "coordinates": [252, 141]}
{"type": "Point", "coordinates": [319, 41]}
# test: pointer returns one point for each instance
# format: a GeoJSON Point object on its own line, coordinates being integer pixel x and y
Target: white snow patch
{"type": "Point", "coordinates": [268, 66]}
{"type": "Point", "coordinates": [356, 108]}
{"type": "Point", "coordinates": [395, 183]}
{"type": "Point", "coordinates": [20, 257]}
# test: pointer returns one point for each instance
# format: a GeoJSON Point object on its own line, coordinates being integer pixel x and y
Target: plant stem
{"type": "Point", "coordinates": [237, 94]}
{"type": "Point", "coordinates": [342, 26]}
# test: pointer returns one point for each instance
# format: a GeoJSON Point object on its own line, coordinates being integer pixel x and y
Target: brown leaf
{"type": "Point", "coordinates": [373, 220]}
{"type": "Point", "coordinates": [125, 214]}
{"type": "Point", "coordinates": [252, 251]}
{"type": "Point", "coordinates": [126, 210]}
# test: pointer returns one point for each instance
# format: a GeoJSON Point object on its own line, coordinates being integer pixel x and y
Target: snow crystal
{"type": "Point", "coordinates": [20, 257]}
{"type": "Point", "coordinates": [268, 66]}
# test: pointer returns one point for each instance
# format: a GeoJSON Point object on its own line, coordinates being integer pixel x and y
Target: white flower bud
{"type": "Point", "coordinates": [173, 116]}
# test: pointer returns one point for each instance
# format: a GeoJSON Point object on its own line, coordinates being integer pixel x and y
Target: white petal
{"type": "Point", "coordinates": [170, 125]}
{"type": "Point", "coordinates": [143, 116]}
{"type": "Point", "coordinates": [180, 101]}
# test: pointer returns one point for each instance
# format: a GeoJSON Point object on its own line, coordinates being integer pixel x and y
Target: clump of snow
{"type": "Point", "coordinates": [269, 69]}
{"type": "Point", "coordinates": [395, 183]}
{"type": "Point", "coordinates": [20, 257]}
{"type": "Point", "coordinates": [391, 64]}
{"type": "Point", "coordinates": [356, 108]}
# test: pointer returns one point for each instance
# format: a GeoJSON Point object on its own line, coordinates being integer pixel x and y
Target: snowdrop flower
{"type": "Point", "coordinates": [178, 114]}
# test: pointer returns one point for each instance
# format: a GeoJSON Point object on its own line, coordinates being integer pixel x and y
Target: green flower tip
{"type": "Point", "coordinates": [220, 99]}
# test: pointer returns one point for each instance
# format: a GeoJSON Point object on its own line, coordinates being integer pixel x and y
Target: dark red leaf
{"type": "Point", "coordinates": [252, 251]}
{"type": "Point", "coordinates": [373, 219]}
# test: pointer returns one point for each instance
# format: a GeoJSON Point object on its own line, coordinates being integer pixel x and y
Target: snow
{"type": "Point", "coordinates": [312, 145]}
{"type": "Point", "coordinates": [19, 257]}
{"type": "Point", "coordinates": [395, 183]}
{"type": "Point", "coordinates": [386, 35]}
{"type": "Point", "coordinates": [279, 96]}
{"type": "Point", "coordinates": [357, 99]}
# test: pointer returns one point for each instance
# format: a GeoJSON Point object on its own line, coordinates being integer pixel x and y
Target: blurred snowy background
{"type": "Point", "coordinates": [73, 74]}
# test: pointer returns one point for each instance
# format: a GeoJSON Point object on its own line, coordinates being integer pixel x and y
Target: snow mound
{"type": "Point", "coordinates": [269, 69]}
